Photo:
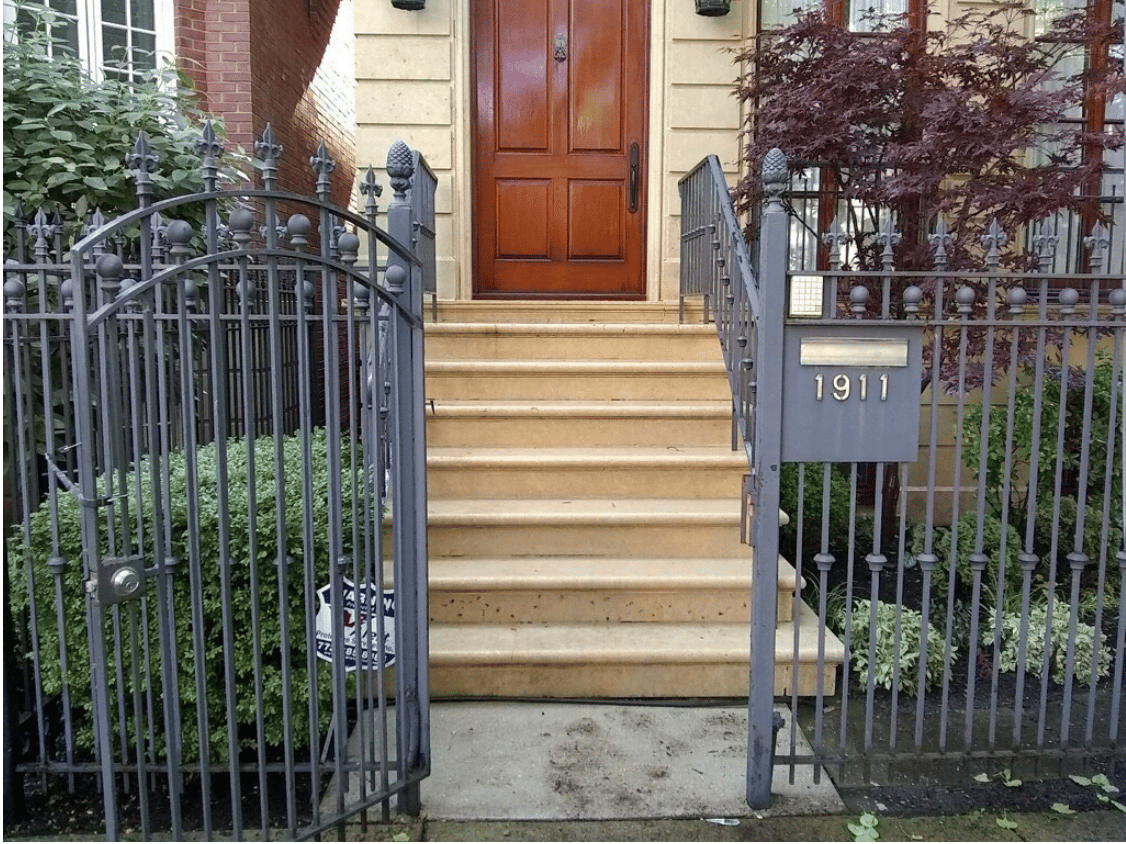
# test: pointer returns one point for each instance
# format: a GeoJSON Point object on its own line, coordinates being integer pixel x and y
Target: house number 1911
{"type": "Point", "coordinates": [841, 387]}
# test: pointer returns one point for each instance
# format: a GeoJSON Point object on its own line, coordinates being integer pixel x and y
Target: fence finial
{"type": "Point", "coordinates": [775, 178]}
{"type": "Point", "coordinates": [1045, 241]}
{"type": "Point", "coordinates": [1098, 243]}
{"type": "Point", "coordinates": [372, 190]}
{"type": "Point", "coordinates": [888, 238]}
{"type": "Point", "coordinates": [940, 242]}
{"type": "Point", "coordinates": [834, 239]}
{"type": "Point", "coordinates": [993, 240]}
{"type": "Point", "coordinates": [43, 230]}
{"type": "Point", "coordinates": [400, 169]}
{"type": "Point", "coordinates": [14, 290]}
{"type": "Point", "coordinates": [269, 151]}
{"type": "Point", "coordinates": [210, 148]}
{"type": "Point", "coordinates": [323, 164]}
{"type": "Point", "coordinates": [142, 161]}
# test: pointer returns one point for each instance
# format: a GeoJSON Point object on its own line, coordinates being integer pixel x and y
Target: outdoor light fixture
{"type": "Point", "coordinates": [409, 5]}
{"type": "Point", "coordinates": [713, 8]}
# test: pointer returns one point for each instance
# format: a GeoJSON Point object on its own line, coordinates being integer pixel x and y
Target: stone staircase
{"type": "Point", "coordinates": [584, 510]}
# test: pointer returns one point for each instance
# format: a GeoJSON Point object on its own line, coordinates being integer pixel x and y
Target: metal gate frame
{"type": "Point", "coordinates": [177, 337]}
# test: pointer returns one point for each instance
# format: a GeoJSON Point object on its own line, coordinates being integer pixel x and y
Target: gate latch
{"type": "Point", "coordinates": [118, 579]}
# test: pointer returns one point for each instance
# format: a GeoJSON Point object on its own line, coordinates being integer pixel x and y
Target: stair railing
{"type": "Point", "coordinates": [749, 317]}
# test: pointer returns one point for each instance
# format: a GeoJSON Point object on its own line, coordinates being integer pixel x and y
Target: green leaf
{"type": "Point", "coordinates": [982, 777]}
{"type": "Point", "coordinates": [401, 836]}
{"type": "Point", "coordinates": [869, 820]}
{"type": "Point", "coordinates": [1005, 823]}
{"type": "Point", "coordinates": [1013, 783]}
{"type": "Point", "coordinates": [1119, 806]}
{"type": "Point", "coordinates": [1078, 780]}
{"type": "Point", "coordinates": [1063, 809]}
{"type": "Point", "coordinates": [96, 182]}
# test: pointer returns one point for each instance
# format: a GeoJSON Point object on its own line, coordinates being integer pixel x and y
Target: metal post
{"type": "Point", "coordinates": [404, 280]}
{"type": "Point", "coordinates": [773, 261]}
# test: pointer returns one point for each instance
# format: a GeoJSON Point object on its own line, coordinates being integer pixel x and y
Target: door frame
{"type": "Point", "coordinates": [649, 205]}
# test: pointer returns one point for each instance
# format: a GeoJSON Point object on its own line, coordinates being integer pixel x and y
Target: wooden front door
{"type": "Point", "coordinates": [560, 92]}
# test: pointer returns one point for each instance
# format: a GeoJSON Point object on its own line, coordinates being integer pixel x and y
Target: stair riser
{"type": "Point", "coordinates": [567, 431]}
{"type": "Point", "coordinates": [585, 540]}
{"type": "Point", "coordinates": [590, 482]}
{"type": "Point", "coordinates": [576, 312]}
{"type": "Point", "coordinates": [655, 386]}
{"type": "Point", "coordinates": [609, 679]}
{"type": "Point", "coordinates": [653, 347]}
{"type": "Point", "coordinates": [594, 606]}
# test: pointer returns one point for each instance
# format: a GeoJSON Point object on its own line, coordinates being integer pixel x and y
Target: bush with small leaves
{"type": "Point", "coordinates": [254, 586]}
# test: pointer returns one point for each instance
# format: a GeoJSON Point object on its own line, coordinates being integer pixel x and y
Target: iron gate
{"type": "Point", "coordinates": [979, 599]}
{"type": "Point", "coordinates": [215, 431]}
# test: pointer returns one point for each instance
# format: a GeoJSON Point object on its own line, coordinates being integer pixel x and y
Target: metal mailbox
{"type": "Point", "coordinates": [851, 392]}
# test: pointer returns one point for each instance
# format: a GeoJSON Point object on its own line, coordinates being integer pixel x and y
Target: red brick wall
{"type": "Point", "coordinates": [269, 78]}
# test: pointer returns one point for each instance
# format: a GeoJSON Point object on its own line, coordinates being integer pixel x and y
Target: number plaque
{"type": "Point", "coordinates": [850, 392]}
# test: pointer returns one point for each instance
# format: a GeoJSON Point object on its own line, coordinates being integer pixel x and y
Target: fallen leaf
{"type": "Point", "coordinates": [1063, 809]}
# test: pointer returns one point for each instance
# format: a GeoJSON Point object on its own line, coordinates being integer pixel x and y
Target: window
{"type": "Point", "coordinates": [1097, 114]}
{"type": "Point", "coordinates": [857, 15]}
{"type": "Point", "coordinates": [118, 38]}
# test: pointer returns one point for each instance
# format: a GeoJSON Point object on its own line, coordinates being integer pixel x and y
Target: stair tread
{"type": "Point", "coordinates": [625, 456]}
{"type": "Point", "coordinates": [623, 642]}
{"type": "Point", "coordinates": [671, 329]}
{"type": "Point", "coordinates": [563, 511]}
{"type": "Point", "coordinates": [576, 367]}
{"type": "Point", "coordinates": [589, 573]}
{"type": "Point", "coordinates": [609, 407]}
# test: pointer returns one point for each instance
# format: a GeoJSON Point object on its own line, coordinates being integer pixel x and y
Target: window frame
{"type": "Point", "coordinates": [89, 25]}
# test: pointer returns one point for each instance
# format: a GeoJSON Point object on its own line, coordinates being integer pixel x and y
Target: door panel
{"type": "Point", "coordinates": [560, 88]}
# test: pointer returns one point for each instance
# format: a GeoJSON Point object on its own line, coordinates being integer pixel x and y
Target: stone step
{"type": "Point", "coordinates": [621, 659]}
{"type": "Point", "coordinates": [495, 424]}
{"type": "Point", "coordinates": [676, 527]}
{"type": "Point", "coordinates": [594, 341]}
{"type": "Point", "coordinates": [598, 589]}
{"type": "Point", "coordinates": [577, 380]}
{"type": "Point", "coordinates": [564, 312]}
{"type": "Point", "coordinates": [612, 473]}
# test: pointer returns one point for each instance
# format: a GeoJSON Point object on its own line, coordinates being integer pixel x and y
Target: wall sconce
{"type": "Point", "coordinates": [409, 5]}
{"type": "Point", "coordinates": [713, 8]}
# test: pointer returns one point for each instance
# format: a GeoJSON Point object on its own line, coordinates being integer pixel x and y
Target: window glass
{"type": "Point", "coordinates": [775, 14]}
{"type": "Point", "coordinates": [865, 15]}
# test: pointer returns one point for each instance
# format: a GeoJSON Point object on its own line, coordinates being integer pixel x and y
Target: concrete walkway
{"type": "Point", "coordinates": [569, 761]}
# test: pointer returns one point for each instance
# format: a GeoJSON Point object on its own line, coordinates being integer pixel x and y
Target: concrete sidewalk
{"type": "Point", "coordinates": [608, 772]}
{"type": "Point", "coordinates": [585, 761]}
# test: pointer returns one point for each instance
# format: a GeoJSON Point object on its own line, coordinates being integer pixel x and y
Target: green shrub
{"type": "Point", "coordinates": [891, 653]}
{"type": "Point", "coordinates": [943, 548]}
{"type": "Point", "coordinates": [241, 519]}
{"type": "Point", "coordinates": [1087, 639]}
{"type": "Point", "coordinates": [840, 498]}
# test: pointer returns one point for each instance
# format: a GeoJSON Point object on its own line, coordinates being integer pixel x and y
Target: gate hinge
{"type": "Point", "coordinates": [118, 579]}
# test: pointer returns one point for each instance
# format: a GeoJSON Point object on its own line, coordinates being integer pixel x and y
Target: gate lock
{"type": "Point", "coordinates": [119, 579]}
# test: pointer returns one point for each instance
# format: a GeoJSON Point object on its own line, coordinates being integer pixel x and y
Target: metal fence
{"type": "Point", "coordinates": [215, 507]}
{"type": "Point", "coordinates": [980, 603]}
